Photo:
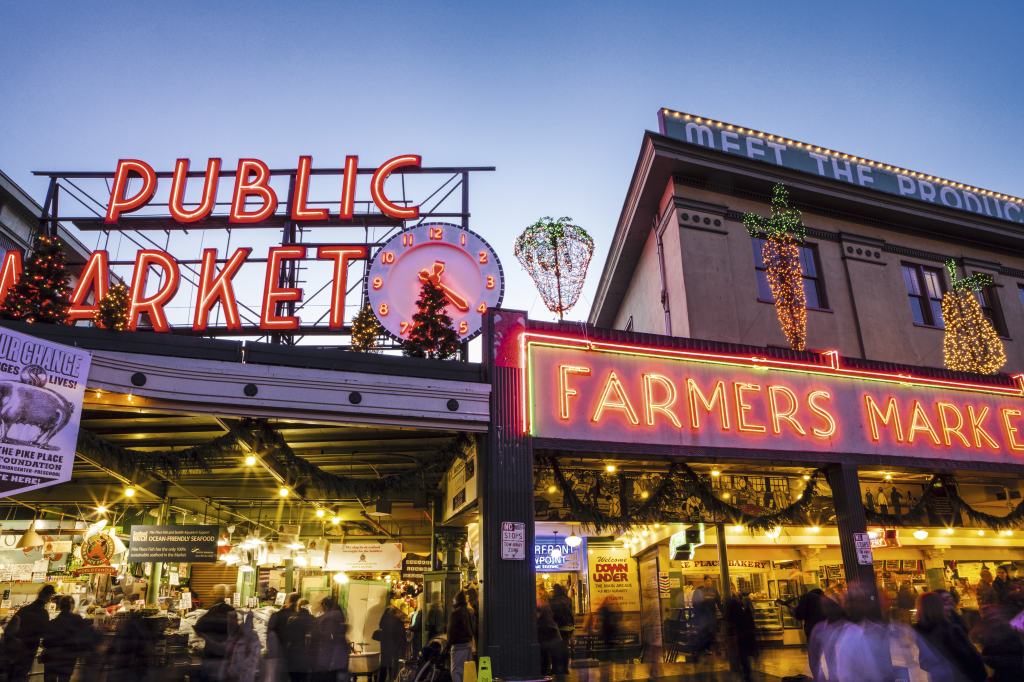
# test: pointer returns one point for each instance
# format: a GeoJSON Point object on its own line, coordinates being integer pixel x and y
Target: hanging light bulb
{"type": "Point", "coordinates": [30, 539]}
{"type": "Point", "coordinates": [340, 578]}
{"type": "Point", "coordinates": [774, 532]}
{"type": "Point", "coordinates": [250, 460]}
{"type": "Point", "coordinates": [283, 492]}
{"type": "Point", "coordinates": [807, 477]}
{"type": "Point", "coordinates": [101, 509]}
{"type": "Point", "coordinates": [573, 540]}
{"type": "Point", "coordinates": [300, 561]}
{"type": "Point", "coordinates": [130, 491]}
{"type": "Point", "coordinates": [715, 472]}
{"type": "Point", "coordinates": [320, 513]}
{"type": "Point", "coordinates": [336, 520]}
{"type": "Point", "coordinates": [552, 489]}
{"type": "Point", "coordinates": [920, 534]}
{"type": "Point", "coordinates": [610, 468]}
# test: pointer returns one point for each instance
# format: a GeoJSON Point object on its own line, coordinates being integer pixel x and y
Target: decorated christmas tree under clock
{"type": "Point", "coordinates": [432, 334]}
{"type": "Point", "coordinates": [41, 293]}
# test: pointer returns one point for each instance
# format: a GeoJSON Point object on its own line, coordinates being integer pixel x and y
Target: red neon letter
{"type": "Point", "coordinates": [274, 294]}
{"type": "Point", "coordinates": [154, 305]}
{"type": "Point", "coordinates": [118, 204]}
{"type": "Point", "coordinates": [258, 186]}
{"type": "Point", "coordinates": [341, 255]}
{"type": "Point", "coordinates": [563, 387]}
{"type": "Point", "coordinates": [299, 210]}
{"type": "Point", "coordinates": [613, 384]}
{"type": "Point", "coordinates": [178, 211]}
{"type": "Point", "coordinates": [891, 414]}
{"type": "Point", "coordinates": [348, 188]}
{"type": "Point", "coordinates": [212, 289]}
{"type": "Point", "coordinates": [1011, 430]}
{"type": "Point", "coordinates": [919, 422]}
{"type": "Point", "coordinates": [95, 275]}
{"type": "Point", "coordinates": [821, 412]}
{"type": "Point", "coordinates": [742, 408]}
{"type": "Point", "coordinates": [789, 415]}
{"type": "Point", "coordinates": [947, 429]}
{"type": "Point", "coordinates": [717, 397]}
{"type": "Point", "coordinates": [976, 428]}
{"type": "Point", "coordinates": [377, 188]}
{"type": "Point", "coordinates": [665, 407]}
{"type": "Point", "coordinates": [10, 272]}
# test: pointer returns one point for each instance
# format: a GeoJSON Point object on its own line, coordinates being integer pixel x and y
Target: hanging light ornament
{"type": "Point", "coordinates": [781, 257]}
{"type": "Point", "coordinates": [556, 254]}
{"type": "Point", "coordinates": [971, 343]}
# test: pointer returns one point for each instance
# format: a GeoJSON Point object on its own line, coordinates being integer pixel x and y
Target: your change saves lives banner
{"type": "Point", "coordinates": [42, 385]}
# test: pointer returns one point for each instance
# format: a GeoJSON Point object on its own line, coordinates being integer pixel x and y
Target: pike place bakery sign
{"type": "Point", "coordinates": [585, 389]}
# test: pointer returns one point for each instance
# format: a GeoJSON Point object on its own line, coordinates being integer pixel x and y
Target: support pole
{"type": "Point", "coordinates": [723, 563]}
{"type": "Point", "coordinates": [289, 571]}
{"type": "Point", "coordinates": [156, 574]}
{"type": "Point", "coordinates": [850, 519]}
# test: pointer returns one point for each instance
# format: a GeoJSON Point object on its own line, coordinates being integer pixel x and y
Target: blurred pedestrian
{"type": "Point", "coordinates": [945, 652]}
{"type": "Point", "coordinates": [862, 645]}
{"type": "Point", "coordinates": [822, 642]}
{"type": "Point", "coordinates": [1004, 652]}
{"type": "Point", "coordinates": [1001, 584]}
{"type": "Point", "coordinates": [275, 662]}
{"type": "Point", "coordinates": [332, 650]}
{"type": "Point", "coordinates": [949, 601]}
{"type": "Point", "coordinates": [986, 593]}
{"type": "Point", "coordinates": [561, 611]}
{"type": "Point", "coordinates": [461, 634]}
{"type": "Point", "coordinates": [547, 635]}
{"type": "Point", "coordinates": [392, 642]}
{"type": "Point", "coordinates": [14, 665]}
{"type": "Point", "coordinates": [741, 632]}
{"type": "Point", "coordinates": [297, 630]}
{"type": "Point", "coordinates": [33, 620]}
{"type": "Point", "coordinates": [212, 626]}
{"type": "Point", "coordinates": [67, 637]}
{"type": "Point", "coordinates": [243, 655]}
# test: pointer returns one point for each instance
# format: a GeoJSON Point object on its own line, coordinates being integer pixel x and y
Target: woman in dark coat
{"type": "Point", "coordinates": [296, 629]}
{"type": "Point", "coordinates": [66, 638]}
{"type": "Point", "coordinates": [392, 643]}
{"type": "Point", "coordinates": [946, 653]}
{"type": "Point", "coordinates": [331, 644]}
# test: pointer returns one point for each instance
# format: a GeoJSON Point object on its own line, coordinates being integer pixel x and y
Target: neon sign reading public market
{"type": "Point", "coordinates": [450, 256]}
{"type": "Point", "coordinates": [593, 390]}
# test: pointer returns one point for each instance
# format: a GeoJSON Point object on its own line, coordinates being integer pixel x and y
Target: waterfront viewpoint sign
{"type": "Point", "coordinates": [824, 162]}
{"type": "Point", "coordinates": [580, 389]}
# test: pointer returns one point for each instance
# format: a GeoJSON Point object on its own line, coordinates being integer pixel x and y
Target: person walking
{"type": "Point", "coordinates": [332, 649]}
{"type": "Point", "coordinates": [741, 633]}
{"type": "Point", "coordinates": [416, 626]}
{"type": "Point", "coordinates": [461, 634]}
{"type": "Point", "coordinates": [561, 611]}
{"type": "Point", "coordinates": [392, 643]}
{"type": "Point", "coordinates": [297, 629]}
{"type": "Point", "coordinates": [212, 626]}
{"type": "Point", "coordinates": [244, 655]}
{"type": "Point", "coordinates": [67, 637]}
{"type": "Point", "coordinates": [275, 662]}
{"type": "Point", "coordinates": [862, 651]}
{"type": "Point", "coordinates": [547, 636]}
{"type": "Point", "coordinates": [986, 593]}
{"type": "Point", "coordinates": [822, 642]}
{"type": "Point", "coordinates": [945, 652]}
{"type": "Point", "coordinates": [1002, 583]}
{"type": "Point", "coordinates": [32, 622]}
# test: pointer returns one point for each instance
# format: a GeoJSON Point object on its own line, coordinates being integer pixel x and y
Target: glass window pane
{"type": "Point", "coordinates": [764, 291]}
{"type": "Point", "coordinates": [931, 279]}
{"type": "Point", "coordinates": [915, 307]}
{"type": "Point", "coordinates": [807, 261]}
{"type": "Point", "coordinates": [1021, 292]}
{"type": "Point", "coordinates": [758, 245]}
{"type": "Point", "coordinates": [910, 277]}
{"type": "Point", "coordinates": [811, 293]}
{"type": "Point", "coordinates": [937, 314]}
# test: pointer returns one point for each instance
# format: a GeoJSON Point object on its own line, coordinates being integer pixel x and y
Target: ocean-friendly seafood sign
{"type": "Point", "coordinates": [42, 385]}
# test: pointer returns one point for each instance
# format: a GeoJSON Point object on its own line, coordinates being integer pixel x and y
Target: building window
{"type": "Point", "coordinates": [990, 308]}
{"type": "Point", "coordinates": [925, 287]}
{"type": "Point", "coordinates": [814, 288]}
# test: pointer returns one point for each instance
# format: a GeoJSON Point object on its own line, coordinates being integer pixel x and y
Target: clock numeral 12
{"type": "Point", "coordinates": [436, 233]}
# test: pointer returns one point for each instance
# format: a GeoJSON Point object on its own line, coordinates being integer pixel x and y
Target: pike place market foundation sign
{"type": "Point", "coordinates": [610, 392]}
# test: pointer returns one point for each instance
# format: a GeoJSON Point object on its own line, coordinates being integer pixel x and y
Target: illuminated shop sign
{"type": "Point", "coordinates": [610, 392]}
{"type": "Point", "coordinates": [882, 538]}
{"type": "Point", "coordinates": [781, 151]}
{"type": "Point", "coordinates": [551, 554]}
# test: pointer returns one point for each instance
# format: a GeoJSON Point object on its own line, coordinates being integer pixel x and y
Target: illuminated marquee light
{"type": "Point", "coordinates": [742, 407]}
{"type": "Point", "coordinates": [274, 294]}
{"type": "Point", "coordinates": [341, 255]}
{"type": "Point", "coordinates": [348, 188]}
{"type": "Point", "coordinates": [717, 398]}
{"type": "Point", "coordinates": [218, 288]}
{"type": "Point", "coordinates": [665, 407]}
{"type": "Point", "coordinates": [9, 272]}
{"type": "Point", "coordinates": [821, 412]}
{"type": "Point", "coordinates": [377, 187]}
{"type": "Point", "coordinates": [154, 305]}
{"type": "Point", "coordinates": [209, 199]}
{"type": "Point", "coordinates": [118, 203]}
{"type": "Point", "coordinates": [613, 384]}
{"type": "Point", "coordinates": [564, 391]}
{"type": "Point", "coordinates": [95, 276]}
{"type": "Point", "coordinates": [789, 415]}
{"type": "Point", "coordinates": [301, 195]}
{"type": "Point", "coordinates": [1011, 431]}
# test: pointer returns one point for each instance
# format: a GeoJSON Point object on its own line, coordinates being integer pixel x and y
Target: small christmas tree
{"type": "Point", "coordinates": [365, 330]}
{"type": "Point", "coordinates": [112, 312]}
{"type": "Point", "coordinates": [971, 343]}
{"type": "Point", "coordinates": [432, 335]}
{"type": "Point", "coordinates": [42, 292]}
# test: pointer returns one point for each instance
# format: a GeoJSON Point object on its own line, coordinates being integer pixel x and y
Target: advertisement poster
{"type": "Point", "coordinates": [460, 486]}
{"type": "Point", "coordinates": [194, 544]}
{"type": "Point", "coordinates": [42, 385]}
{"type": "Point", "coordinates": [613, 574]}
{"type": "Point", "coordinates": [365, 556]}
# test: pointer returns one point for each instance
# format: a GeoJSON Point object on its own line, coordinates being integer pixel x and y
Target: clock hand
{"type": "Point", "coordinates": [434, 275]}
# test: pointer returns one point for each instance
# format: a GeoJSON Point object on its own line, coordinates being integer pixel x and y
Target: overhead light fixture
{"type": "Point", "coordinates": [30, 538]}
{"type": "Point", "coordinates": [296, 545]}
{"type": "Point", "coordinates": [888, 477]}
{"type": "Point", "coordinates": [320, 513]}
{"type": "Point", "coordinates": [250, 460]}
{"type": "Point", "coordinates": [245, 568]}
{"type": "Point", "coordinates": [920, 534]}
{"type": "Point", "coordinates": [774, 532]}
{"type": "Point", "coordinates": [737, 528]}
{"type": "Point", "coordinates": [129, 491]}
{"type": "Point", "coordinates": [715, 472]}
{"type": "Point", "coordinates": [807, 477]}
{"type": "Point", "coordinates": [815, 529]}
{"type": "Point", "coordinates": [545, 576]}
{"type": "Point", "coordinates": [981, 532]}
{"type": "Point", "coordinates": [283, 492]}
{"type": "Point", "coordinates": [644, 533]}
{"type": "Point", "coordinates": [1009, 532]}
{"type": "Point", "coordinates": [657, 525]}
{"type": "Point", "coordinates": [336, 520]}
{"type": "Point", "coordinates": [340, 578]}
{"type": "Point", "coordinates": [552, 489]}
{"type": "Point", "coordinates": [643, 495]}
{"type": "Point", "coordinates": [573, 540]}
{"type": "Point", "coordinates": [610, 468]}
{"type": "Point", "coordinates": [300, 561]}
{"type": "Point", "coordinates": [101, 509]}
{"type": "Point", "coordinates": [949, 531]}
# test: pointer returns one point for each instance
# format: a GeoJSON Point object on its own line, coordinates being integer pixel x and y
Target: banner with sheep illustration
{"type": "Point", "coordinates": [42, 385]}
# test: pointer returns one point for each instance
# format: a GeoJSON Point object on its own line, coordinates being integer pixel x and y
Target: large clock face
{"type": "Point", "coordinates": [460, 261]}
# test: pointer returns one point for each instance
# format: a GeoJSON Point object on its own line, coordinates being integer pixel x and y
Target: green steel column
{"type": "Point", "coordinates": [289, 570]}
{"type": "Point", "coordinates": [153, 589]}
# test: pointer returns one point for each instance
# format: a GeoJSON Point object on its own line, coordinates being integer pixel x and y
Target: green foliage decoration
{"type": "Point", "coordinates": [42, 293]}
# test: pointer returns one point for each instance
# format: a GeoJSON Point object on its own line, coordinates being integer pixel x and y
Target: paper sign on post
{"type": "Point", "coordinates": [513, 540]}
{"type": "Point", "coordinates": [279, 601]}
{"type": "Point", "coordinates": [862, 541]}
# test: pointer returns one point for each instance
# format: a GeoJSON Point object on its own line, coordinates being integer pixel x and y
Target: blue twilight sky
{"type": "Point", "coordinates": [556, 95]}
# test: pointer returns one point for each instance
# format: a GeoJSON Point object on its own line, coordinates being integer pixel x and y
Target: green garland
{"type": "Point", "coordinates": [262, 436]}
{"type": "Point", "coordinates": [677, 485]}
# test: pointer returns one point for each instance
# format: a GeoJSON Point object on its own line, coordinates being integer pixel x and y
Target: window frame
{"type": "Point", "coordinates": [920, 269]}
{"type": "Point", "coordinates": [818, 278]}
{"type": "Point", "coordinates": [988, 297]}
